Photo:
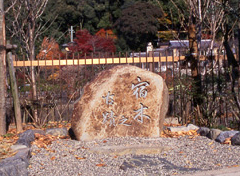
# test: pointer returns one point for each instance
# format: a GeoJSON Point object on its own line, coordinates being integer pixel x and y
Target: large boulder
{"type": "Point", "coordinates": [122, 101]}
{"type": "Point", "coordinates": [203, 131]}
{"type": "Point", "coordinates": [213, 133]}
{"type": "Point", "coordinates": [235, 140]}
{"type": "Point", "coordinates": [224, 135]}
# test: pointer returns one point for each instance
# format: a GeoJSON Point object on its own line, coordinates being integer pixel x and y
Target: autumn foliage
{"type": "Point", "coordinates": [106, 34]}
{"type": "Point", "coordinates": [86, 43]}
{"type": "Point", "coordinates": [49, 49]}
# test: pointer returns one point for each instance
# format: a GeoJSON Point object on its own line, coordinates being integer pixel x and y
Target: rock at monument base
{"type": "Point", "coordinates": [235, 140]}
{"type": "Point", "coordinates": [57, 131]}
{"type": "Point", "coordinates": [26, 138]}
{"type": "Point", "coordinates": [122, 101]}
{"type": "Point", "coordinates": [183, 128]}
{"type": "Point", "coordinates": [213, 133]}
{"type": "Point", "coordinates": [203, 131]}
{"type": "Point", "coordinates": [225, 134]}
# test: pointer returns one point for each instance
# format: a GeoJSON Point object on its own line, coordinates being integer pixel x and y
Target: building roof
{"type": "Point", "coordinates": [184, 44]}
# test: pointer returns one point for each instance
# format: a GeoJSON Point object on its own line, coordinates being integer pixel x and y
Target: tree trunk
{"type": "Point", "coordinates": [2, 70]}
{"type": "Point", "coordinates": [239, 34]}
{"type": "Point", "coordinates": [230, 56]}
{"type": "Point", "coordinates": [193, 46]}
{"type": "Point", "coordinates": [16, 103]}
{"type": "Point", "coordinates": [32, 69]}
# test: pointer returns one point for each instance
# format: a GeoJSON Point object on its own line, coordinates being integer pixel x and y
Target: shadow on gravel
{"type": "Point", "coordinates": [146, 162]}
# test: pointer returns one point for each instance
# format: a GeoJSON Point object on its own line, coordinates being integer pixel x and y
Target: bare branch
{"type": "Point", "coordinates": [11, 6]}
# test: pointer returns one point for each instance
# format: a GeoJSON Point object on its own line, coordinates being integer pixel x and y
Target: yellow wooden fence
{"type": "Point", "coordinates": [98, 61]}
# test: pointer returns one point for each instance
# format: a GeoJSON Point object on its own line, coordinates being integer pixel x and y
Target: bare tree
{"type": "Point", "coordinates": [27, 27]}
{"type": "Point", "coordinates": [207, 14]}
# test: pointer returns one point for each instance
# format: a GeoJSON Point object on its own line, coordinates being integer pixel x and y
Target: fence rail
{"type": "Point", "coordinates": [99, 61]}
{"type": "Point", "coordinates": [60, 82]}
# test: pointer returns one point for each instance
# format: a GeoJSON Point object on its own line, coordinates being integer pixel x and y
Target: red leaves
{"type": "Point", "coordinates": [86, 43]}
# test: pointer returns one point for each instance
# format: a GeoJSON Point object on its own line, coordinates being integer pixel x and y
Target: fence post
{"type": "Point", "coordinates": [150, 54]}
{"type": "Point", "coordinates": [16, 102]}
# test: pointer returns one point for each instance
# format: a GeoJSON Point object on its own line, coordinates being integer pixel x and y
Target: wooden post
{"type": "Point", "coordinates": [16, 102]}
{"type": "Point", "coordinates": [3, 128]}
{"type": "Point", "coordinates": [150, 54]}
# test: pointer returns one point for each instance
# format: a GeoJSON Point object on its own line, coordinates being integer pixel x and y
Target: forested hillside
{"type": "Point", "coordinates": [133, 22]}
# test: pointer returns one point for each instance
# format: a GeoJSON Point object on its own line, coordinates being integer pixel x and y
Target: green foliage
{"type": "Point", "coordinates": [135, 22]}
{"type": "Point", "coordinates": [222, 127]}
{"type": "Point", "coordinates": [8, 135]}
{"type": "Point", "coordinates": [139, 24]}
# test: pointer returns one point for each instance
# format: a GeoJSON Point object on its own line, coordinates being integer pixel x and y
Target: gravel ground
{"type": "Point", "coordinates": [185, 155]}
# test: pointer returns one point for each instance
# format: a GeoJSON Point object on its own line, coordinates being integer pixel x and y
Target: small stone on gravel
{"type": "Point", "coordinates": [235, 140]}
{"type": "Point", "coordinates": [224, 135]}
{"type": "Point", "coordinates": [203, 131]}
{"type": "Point", "coordinates": [213, 133]}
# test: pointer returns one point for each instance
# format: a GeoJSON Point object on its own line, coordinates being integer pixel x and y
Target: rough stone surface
{"type": "Point", "coordinates": [213, 133]}
{"type": "Point", "coordinates": [192, 127]}
{"type": "Point", "coordinates": [178, 129]}
{"type": "Point", "coordinates": [147, 162]}
{"type": "Point", "coordinates": [235, 140]}
{"type": "Point", "coordinates": [203, 131]}
{"type": "Point", "coordinates": [18, 147]}
{"type": "Point", "coordinates": [39, 132]}
{"type": "Point", "coordinates": [225, 134]}
{"type": "Point", "coordinates": [16, 165]}
{"type": "Point", "coordinates": [122, 101]}
{"type": "Point", "coordinates": [57, 131]}
{"type": "Point", "coordinates": [183, 128]}
{"type": "Point", "coordinates": [26, 138]}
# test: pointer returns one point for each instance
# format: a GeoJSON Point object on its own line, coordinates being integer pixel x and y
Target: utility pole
{"type": "Point", "coordinates": [2, 70]}
{"type": "Point", "coordinates": [71, 31]}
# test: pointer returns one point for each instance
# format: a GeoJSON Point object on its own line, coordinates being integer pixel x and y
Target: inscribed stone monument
{"type": "Point", "coordinates": [122, 101]}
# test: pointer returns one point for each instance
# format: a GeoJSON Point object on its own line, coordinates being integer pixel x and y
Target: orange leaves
{"type": "Point", "coordinates": [49, 49]}
{"type": "Point", "coordinates": [6, 141]}
{"type": "Point", "coordinates": [53, 158]}
{"type": "Point", "coordinates": [191, 133]}
{"type": "Point", "coordinates": [106, 34]}
{"type": "Point", "coordinates": [42, 141]}
{"type": "Point", "coordinates": [233, 166]}
{"type": "Point", "coordinates": [210, 143]}
{"type": "Point", "coordinates": [79, 158]}
{"type": "Point", "coordinates": [101, 165]}
{"type": "Point", "coordinates": [227, 141]}
{"type": "Point", "coordinates": [52, 124]}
